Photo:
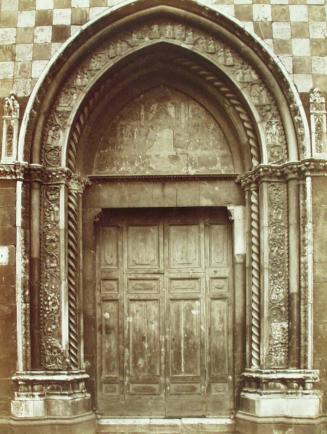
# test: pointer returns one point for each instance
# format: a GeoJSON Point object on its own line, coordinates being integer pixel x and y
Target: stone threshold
{"type": "Point", "coordinates": [167, 426]}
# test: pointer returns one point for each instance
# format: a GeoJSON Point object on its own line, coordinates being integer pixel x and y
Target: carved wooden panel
{"type": "Point", "coordinates": [218, 337]}
{"type": "Point", "coordinates": [143, 247]}
{"type": "Point", "coordinates": [184, 247]}
{"type": "Point", "coordinates": [165, 298]}
{"type": "Point", "coordinates": [143, 339]}
{"type": "Point", "coordinates": [217, 246]}
{"type": "Point", "coordinates": [185, 337]}
{"type": "Point", "coordinates": [162, 131]}
{"type": "Point", "coordinates": [109, 252]}
{"type": "Point", "coordinates": [110, 338]}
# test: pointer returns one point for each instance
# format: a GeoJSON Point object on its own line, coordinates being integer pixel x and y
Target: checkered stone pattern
{"type": "Point", "coordinates": [31, 31]}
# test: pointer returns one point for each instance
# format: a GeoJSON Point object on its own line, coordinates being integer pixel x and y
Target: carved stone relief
{"type": "Point", "coordinates": [318, 118]}
{"type": "Point", "coordinates": [10, 125]}
{"type": "Point", "coordinates": [53, 137]}
{"type": "Point", "coordinates": [52, 354]}
{"type": "Point", "coordinates": [178, 33]}
{"type": "Point", "coordinates": [87, 73]}
{"type": "Point", "coordinates": [278, 276]}
{"type": "Point", "coordinates": [304, 277]}
{"type": "Point", "coordinates": [162, 132]}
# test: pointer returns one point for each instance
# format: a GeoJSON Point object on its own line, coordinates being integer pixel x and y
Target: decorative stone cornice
{"type": "Point", "coordinates": [16, 171]}
{"type": "Point", "coordinates": [287, 374]}
{"type": "Point", "coordinates": [283, 172]}
{"type": "Point", "coordinates": [280, 380]}
{"type": "Point", "coordinates": [38, 173]}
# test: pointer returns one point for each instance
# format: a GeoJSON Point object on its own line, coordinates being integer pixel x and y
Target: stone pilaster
{"type": "Point", "coordinates": [276, 384]}
{"type": "Point", "coordinates": [56, 387]}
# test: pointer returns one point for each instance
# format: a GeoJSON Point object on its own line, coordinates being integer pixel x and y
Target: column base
{"type": "Point", "coordinates": [280, 405]}
{"type": "Point", "coordinates": [247, 424]}
{"type": "Point", "coordinates": [50, 395]}
{"type": "Point", "coordinates": [85, 424]}
{"type": "Point", "coordinates": [279, 398]}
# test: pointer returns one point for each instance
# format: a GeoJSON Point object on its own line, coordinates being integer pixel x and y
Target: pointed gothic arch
{"type": "Point", "coordinates": [208, 50]}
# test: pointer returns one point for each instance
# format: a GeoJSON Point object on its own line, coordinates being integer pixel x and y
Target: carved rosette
{"type": "Point", "coordinates": [52, 354]}
{"type": "Point", "coordinates": [277, 351]}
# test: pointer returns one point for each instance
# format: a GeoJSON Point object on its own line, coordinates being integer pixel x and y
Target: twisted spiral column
{"type": "Point", "coordinates": [233, 101]}
{"type": "Point", "coordinates": [255, 278]}
{"type": "Point", "coordinates": [73, 275]}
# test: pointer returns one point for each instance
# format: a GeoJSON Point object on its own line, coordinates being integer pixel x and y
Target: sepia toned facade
{"type": "Point", "coordinates": [163, 206]}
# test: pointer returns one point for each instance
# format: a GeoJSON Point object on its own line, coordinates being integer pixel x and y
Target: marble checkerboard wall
{"type": "Point", "coordinates": [31, 31]}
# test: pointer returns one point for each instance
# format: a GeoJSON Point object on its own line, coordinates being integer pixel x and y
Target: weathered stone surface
{"type": "Point", "coordinates": [163, 131]}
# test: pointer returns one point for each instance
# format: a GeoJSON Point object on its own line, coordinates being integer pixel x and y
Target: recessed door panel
{"type": "Point", "coordinates": [109, 247]}
{"type": "Point", "coordinates": [184, 246]}
{"type": "Point", "coordinates": [143, 339]}
{"type": "Point", "coordinates": [185, 337]}
{"type": "Point", "coordinates": [218, 337]}
{"type": "Point", "coordinates": [110, 339]}
{"type": "Point", "coordinates": [164, 314]}
{"type": "Point", "coordinates": [143, 247]}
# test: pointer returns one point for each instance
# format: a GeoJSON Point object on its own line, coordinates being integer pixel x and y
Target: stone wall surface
{"type": "Point", "coordinates": [8, 294]}
{"type": "Point", "coordinates": [320, 281]}
{"type": "Point", "coordinates": [31, 31]}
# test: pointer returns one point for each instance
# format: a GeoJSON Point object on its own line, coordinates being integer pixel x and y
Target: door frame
{"type": "Point", "coordinates": [240, 320]}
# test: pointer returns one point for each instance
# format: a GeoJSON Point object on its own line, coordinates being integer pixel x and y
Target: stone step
{"type": "Point", "coordinates": [167, 426]}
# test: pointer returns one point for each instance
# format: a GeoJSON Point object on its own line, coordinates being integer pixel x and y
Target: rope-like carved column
{"type": "Point", "coordinates": [233, 101]}
{"type": "Point", "coordinates": [255, 277]}
{"type": "Point", "coordinates": [73, 257]}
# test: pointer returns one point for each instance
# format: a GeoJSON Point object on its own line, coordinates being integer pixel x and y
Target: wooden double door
{"type": "Point", "coordinates": [165, 313]}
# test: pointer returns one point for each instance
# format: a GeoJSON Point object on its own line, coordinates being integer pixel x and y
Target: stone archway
{"type": "Point", "coordinates": [209, 49]}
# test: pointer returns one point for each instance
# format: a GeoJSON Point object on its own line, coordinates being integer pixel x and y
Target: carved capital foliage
{"type": "Point", "coordinates": [277, 351]}
{"type": "Point", "coordinates": [13, 171]}
{"type": "Point", "coordinates": [298, 170]}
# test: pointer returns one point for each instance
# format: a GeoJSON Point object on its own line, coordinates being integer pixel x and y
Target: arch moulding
{"type": "Point", "coordinates": [274, 172]}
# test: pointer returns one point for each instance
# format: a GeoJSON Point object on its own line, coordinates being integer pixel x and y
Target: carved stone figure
{"type": "Point", "coordinates": [10, 125]}
{"type": "Point", "coordinates": [11, 106]}
{"type": "Point", "coordinates": [278, 276]}
{"type": "Point", "coordinates": [318, 121]}
{"type": "Point", "coordinates": [163, 131]}
{"type": "Point", "coordinates": [203, 42]}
